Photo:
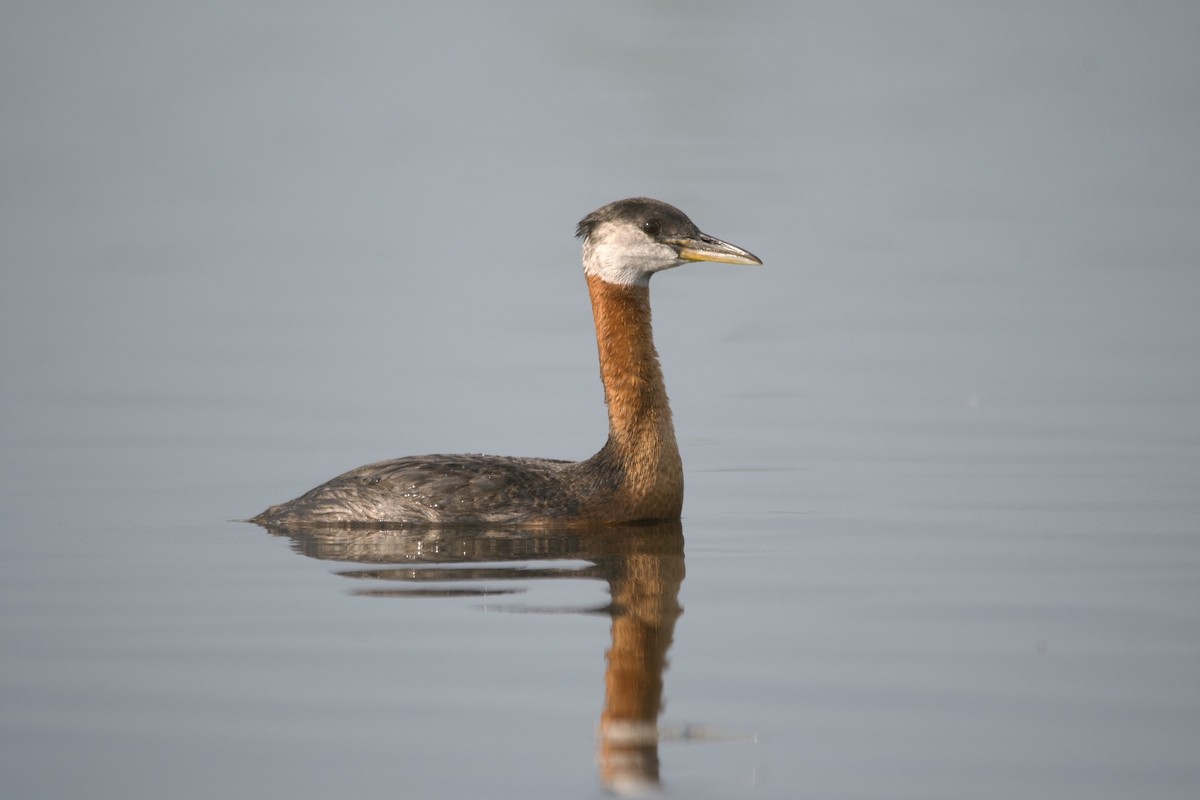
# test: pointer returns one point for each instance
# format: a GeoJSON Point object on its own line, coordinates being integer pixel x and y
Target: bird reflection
{"type": "Point", "coordinates": [642, 564]}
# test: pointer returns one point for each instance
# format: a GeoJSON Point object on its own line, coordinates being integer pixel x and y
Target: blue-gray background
{"type": "Point", "coordinates": [943, 450]}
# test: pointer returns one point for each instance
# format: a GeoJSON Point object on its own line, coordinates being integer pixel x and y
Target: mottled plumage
{"type": "Point", "coordinates": [637, 475]}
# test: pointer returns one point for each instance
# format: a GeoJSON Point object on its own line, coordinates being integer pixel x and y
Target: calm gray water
{"type": "Point", "coordinates": [942, 534]}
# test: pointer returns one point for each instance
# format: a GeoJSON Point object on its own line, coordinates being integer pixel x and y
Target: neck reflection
{"type": "Point", "coordinates": [643, 566]}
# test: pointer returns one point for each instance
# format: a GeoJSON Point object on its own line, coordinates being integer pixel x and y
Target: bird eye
{"type": "Point", "coordinates": [652, 226]}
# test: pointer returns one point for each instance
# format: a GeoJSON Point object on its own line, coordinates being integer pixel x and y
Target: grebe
{"type": "Point", "coordinates": [636, 476]}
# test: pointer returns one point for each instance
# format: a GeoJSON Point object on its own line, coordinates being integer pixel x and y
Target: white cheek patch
{"type": "Point", "coordinates": [624, 255]}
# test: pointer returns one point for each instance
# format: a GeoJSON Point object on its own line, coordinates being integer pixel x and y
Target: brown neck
{"type": "Point", "coordinates": [641, 439]}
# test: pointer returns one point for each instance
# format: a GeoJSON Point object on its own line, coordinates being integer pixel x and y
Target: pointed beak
{"type": "Point", "coordinates": [709, 248]}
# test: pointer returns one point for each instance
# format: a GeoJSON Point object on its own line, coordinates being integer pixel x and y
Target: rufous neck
{"type": "Point", "coordinates": [633, 380]}
{"type": "Point", "coordinates": [641, 452]}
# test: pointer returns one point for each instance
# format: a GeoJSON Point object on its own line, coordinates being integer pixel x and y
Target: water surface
{"type": "Point", "coordinates": [942, 530]}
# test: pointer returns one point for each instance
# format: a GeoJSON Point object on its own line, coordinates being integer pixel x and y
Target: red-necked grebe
{"type": "Point", "coordinates": [637, 475]}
